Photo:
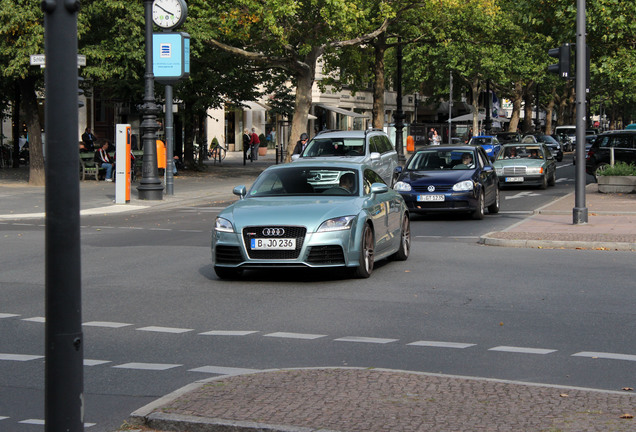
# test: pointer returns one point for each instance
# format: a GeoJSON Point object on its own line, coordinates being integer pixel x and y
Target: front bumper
{"type": "Point", "coordinates": [460, 202]}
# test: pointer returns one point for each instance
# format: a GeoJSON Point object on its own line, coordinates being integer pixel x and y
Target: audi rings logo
{"type": "Point", "coordinates": [273, 232]}
{"type": "Point", "coordinates": [431, 188]}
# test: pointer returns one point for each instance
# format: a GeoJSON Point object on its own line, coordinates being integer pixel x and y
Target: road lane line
{"type": "Point", "coordinates": [228, 333]}
{"type": "Point", "coordinates": [165, 329]}
{"type": "Point", "coordinates": [19, 357]}
{"type": "Point", "coordinates": [365, 340]}
{"type": "Point", "coordinates": [35, 319]}
{"type": "Point", "coordinates": [89, 362]}
{"type": "Point", "coordinates": [436, 344]}
{"type": "Point", "coordinates": [604, 355]}
{"type": "Point", "coordinates": [223, 370]}
{"type": "Point", "coordinates": [7, 315]}
{"type": "Point", "coordinates": [295, 335]}
{"type": "Point", "coordinates": [147, 366]}
{"type": "Point", "coordinates": [108, 324]}
{"type": "Point", "coordinates": [522, 350]}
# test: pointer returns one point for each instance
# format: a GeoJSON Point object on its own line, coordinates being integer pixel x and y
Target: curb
{"type": "Point", "coordinates": [555, 244]}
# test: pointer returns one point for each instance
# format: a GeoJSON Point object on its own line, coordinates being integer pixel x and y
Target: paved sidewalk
{"type": "Point", "coordinates": [367, 400]}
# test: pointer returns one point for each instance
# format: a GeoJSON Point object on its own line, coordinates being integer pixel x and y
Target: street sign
{"type": "Point", "coordinates": [40, 60]}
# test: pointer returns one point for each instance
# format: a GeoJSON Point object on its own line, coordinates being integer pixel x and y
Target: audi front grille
{"type": "Point", "coordinates": [294, 232]}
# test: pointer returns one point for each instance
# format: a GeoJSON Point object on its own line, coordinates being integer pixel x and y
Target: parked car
{"type": "Point", "coordinates": [489, 143]}
{"type": "Point", "coordinates": [589, 140]}
{"type": "Point", "coordinates": [623, 143]}
{"type": "Point", "coordinates": [372, 147]}
{"type": "Point", "coordinates": [321, 214]}
{"type": "Point", "coordinates": [526, 164]}
{"type": "Point", "coordinates": [508, 137]}
{"type": "Point", "coordinates": [437, 179]}
{"type": "Point", "coordinates": [553, 145]}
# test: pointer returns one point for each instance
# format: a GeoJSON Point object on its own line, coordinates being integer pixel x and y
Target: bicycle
{"type": "Point", "coordinates": [217, 152]}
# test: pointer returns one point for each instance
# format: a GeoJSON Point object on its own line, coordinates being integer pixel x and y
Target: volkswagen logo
{"type": "Point", "coordinates": [273, 232]}
{"type": "Point", "coordinates": [431, 188]}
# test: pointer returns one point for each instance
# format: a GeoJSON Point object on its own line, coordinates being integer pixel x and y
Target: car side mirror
{"type": "Point", "coordinates": [398, 170]}
{"type": "Point", "coordinates": [240, 191]}
{"type": "Point", "coordinates": [295, 157]}
{"type": "Point", "coordinates": [375, 156]}
{"type": "Point", "coordinates": [378, 188]}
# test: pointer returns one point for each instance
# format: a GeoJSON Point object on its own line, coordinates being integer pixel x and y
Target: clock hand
{"type": "Point", "coordinates": [163, 9]}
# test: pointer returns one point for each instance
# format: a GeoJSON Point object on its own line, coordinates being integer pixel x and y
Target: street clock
{"type": "Point", "coordinates": [169, 14]}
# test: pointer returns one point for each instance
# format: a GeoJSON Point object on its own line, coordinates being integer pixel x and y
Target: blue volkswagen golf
{"type": "Point", "coordinates": [449, 178]}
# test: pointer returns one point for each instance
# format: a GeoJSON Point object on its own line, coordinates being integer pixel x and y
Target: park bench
{"type": "Point", "coordinates": [88, 166]}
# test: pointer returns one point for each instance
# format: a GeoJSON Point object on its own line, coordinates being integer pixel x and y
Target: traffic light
{"type": "Point", "coordinates": [563, 66]}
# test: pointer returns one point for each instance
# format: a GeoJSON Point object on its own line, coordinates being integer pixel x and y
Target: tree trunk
{"type": "Point", "coordinates": [188, 139]}
{"type": "Point", "coordinates": [548, 113]}
{"type": "Point", "coordinates": [517, 97]}
{"type": "Point", "coordinates": [34, 129]}
{"type": "Point", "coordinates": [379, 82]}
{"type": "Point", "coordinates": [528, 97]}
{"type": "Point", "coordinates": [305, 77]}
{"type": "Point", "coordinates": [474, 88]}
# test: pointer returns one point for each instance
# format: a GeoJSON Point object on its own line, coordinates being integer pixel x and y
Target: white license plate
{"type": "Point", "coordinates": [514, 179]}
{"type": "Point", "coordinates": [430, 197]}
{"type": "Point", "coordinates": [273, 244]}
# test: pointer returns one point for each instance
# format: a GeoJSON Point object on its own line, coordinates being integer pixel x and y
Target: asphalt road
{"type": "Point", "coordinates": [156, 317]}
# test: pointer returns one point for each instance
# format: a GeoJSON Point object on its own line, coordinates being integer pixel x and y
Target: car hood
{"type": "Point", "coordinates": [449, 177]}
{"type": "Point", "coordinates": [305, 211]}
{"type": "Point", "coordinates": [354, 159]}
{"type": "Point", "coordinates": [519, 162]}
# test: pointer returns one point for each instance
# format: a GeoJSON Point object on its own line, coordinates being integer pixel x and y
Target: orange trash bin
{"type": "Point", "coordinates": [410, 143]}
{"type": "Point", "coordinates": [161, 154]}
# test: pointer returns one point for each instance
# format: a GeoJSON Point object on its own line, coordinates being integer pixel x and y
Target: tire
{"type": "Point", "coordinates": [405, 240]}
{"type": "Point", "coordinates": [479, 212]}
{"type": "Point", "coordinates": [367, 246]}
{"type": "Point", "coordinates": [227, 272]}
{"type": "Point", "coordinates": [552, 180]}
{"type": "Point", "coordinates": [599, 168]}
{"type": "Point", "coordinates": [544, 182]}
{"type": "Point", "coordinates": [559, 158]}
{"type": "Point", "coordinates": [494, 207]}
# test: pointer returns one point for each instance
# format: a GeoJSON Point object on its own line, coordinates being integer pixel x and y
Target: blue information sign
{"type": "Point", "coordinates": [170, 56]}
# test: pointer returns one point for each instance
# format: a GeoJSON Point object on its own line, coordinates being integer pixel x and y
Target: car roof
{"type": "Point", "coordinates": [484, 136]}
{"type": "Point", "coordinates": [348, 133]}
{"type": "Point", "coordinates": [447, 147]}
{"type": "Point", "coordinates": [319, 164]}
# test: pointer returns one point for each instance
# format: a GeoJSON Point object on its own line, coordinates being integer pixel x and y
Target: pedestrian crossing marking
{"type": "Point", "coordinates": [164, 329]}
{"type": "Point", "coordinates": [295, 335]}
{"type": "Point", "coordinates": [19, 357]}
{"type": "Point", "coordinates": [522, 350]}
{"type": "Point", "coordinates": [107, 324]}
{"type": "Point", "coordinates": [228, 332]}
{"type": "Point", "coordinates": [365, 340]}
{"type": "Point", "coordinates": [147, 366]}
{"type": "Point", "coordinates": [436, 344]}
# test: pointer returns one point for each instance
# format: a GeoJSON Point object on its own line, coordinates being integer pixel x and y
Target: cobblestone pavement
{"type": "Point", "coordinates": [370, 400]}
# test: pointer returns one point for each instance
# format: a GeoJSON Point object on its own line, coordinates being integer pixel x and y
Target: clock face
{"type": "Point", "coordinates": [168, 13]}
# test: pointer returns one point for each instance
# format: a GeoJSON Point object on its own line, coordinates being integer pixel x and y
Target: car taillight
{"type": "Point", "coordinates": [589, 154]}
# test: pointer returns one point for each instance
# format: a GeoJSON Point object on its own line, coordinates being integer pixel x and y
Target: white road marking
{"type": "Point", "coordinates": [223, 370]}
{"type": "Point", "coordinates": [563, 180]}
{"type": "Point", "coordinates": [19, 357]}
{"type": "Point", "coordinates": [436, 344]}
{"type": "Point", "coordinates": [522, 350]}
{"type": "Point", "coordinates": [164, 329]}
{"type": "Point", "coordinates": [295, 335]}
{"type": "Point", "coordinates": [604, 355]}
{"type": "Point", "coordinates": [33, 422]}
{"type": "Point", "coordinates": [89, 362]}
{"type": "Point", "coordinates": [35, 319]}
{"type": "Point", "coordinates": [107, 324]}
{"type": "Point", "coordinates": [522, 195]}
{"type": "Point", "coordinates": [228, 333]}
{"type": "Point", "coordinates": [147, 366]}
{"type": "Point", "coordinates": [365, 340]}
{"type": "Point", "coordinates": [160, 229]}
{"type": "Point", "coordinates": [3, 418]}
{"type": "Point", "coordinates": [8, 315]}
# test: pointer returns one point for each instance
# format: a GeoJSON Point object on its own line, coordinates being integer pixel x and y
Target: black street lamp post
{"type": "Point", "coordinates": [150, 187]}
{"type": "Point", "coordinates": [398, 116]}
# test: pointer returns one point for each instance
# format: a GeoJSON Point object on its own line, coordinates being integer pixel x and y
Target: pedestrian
{"type": "Point", "coordinates": [437, 140]}
{"type": "Point", "coordinates": [255, 143]}
{"type": "Point", "coordinates": [89, 139]}
{"type": "Point", "coordinates": [103, 160]}
{"type": "Point", "coordinates": [247, 153]}
{"type": "Point", "coordinates": [301, 144]}
{"type": "Point", "coordinates": [430, 136]}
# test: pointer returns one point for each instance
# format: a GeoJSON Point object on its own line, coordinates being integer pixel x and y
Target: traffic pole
{"type": "Point", "coordinates": [63, 369]}
{"type": "Point", "coordinates": [579, 212]}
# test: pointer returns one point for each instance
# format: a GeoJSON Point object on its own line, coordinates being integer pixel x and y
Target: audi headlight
{"type": "Point", "coordinates": [402, 187]}
{"type": "Point", "coordinates": [337, 224]}
{"type": "Point", "coordinates": [466, 185]}
{"type": "Point", "coordinates": [223, 225]}
{"type": "Point", "coordinates": [535, 170]}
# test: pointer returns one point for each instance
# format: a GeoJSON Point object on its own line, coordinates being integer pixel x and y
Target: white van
{"type": "Point", "coordinates": [568, 131]}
